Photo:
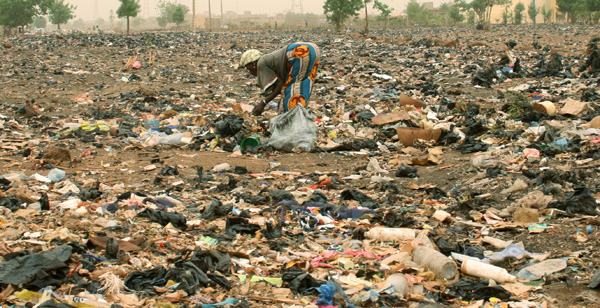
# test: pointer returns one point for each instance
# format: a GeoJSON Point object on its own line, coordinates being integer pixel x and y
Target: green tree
{"type": "Point", "coordinates": [506, 12]}
{"type": "Point", "coordinates": [445, 18]}
{"type": "Point", "coordinates": [397, 22]}
{"type": "Point", "coordinates": [532, 12]}
{"type": "Point", "coordinates": [483, 10]}
{"type": "Point", "coordinates": [171, 13]}
{"type": "Point", "coordinates": [178, 15]}
{"type": "Point", "coordinates": [593, 5]}
{"type": "Point", "coordinates": [572, 8]}
{"type": "Point", "coordinates": [479, 7]}
{"type": "Point", "coordinates": [445, 6]}
{"type": "Point", "coordinates": [506, 16]}
{"type": "Point", "coordinates": [128, 8]}
{"type": "Point", "coordinates": [417, 13]}
{"type": "Point", "coordinates": [384, 11]}
{"type": "Point", "coordinates": [100, 21]}
{"type": "Point", "coordinates": [455, 14]}
{"type": "Point", "coordinates": [15, 13]}
{"type": "Point", "coordinates": [471, 17]}
{"type": "Point", "coordinates": [465, 9]}
{"type": "Point", "coordinates": [518, 13]}
{"type": "Point", "coordinates": [162, 21]}
{"type": "Point", "coordinates": [547, 13]}
{"type": "Point", "coordinates": [338, 11]}
{"type": "Point", "coordinates": [413, 10]}
{"type": "Point", "coordinates": [61, 13]}
{"type": "Point", "coordinates": [40, 22]}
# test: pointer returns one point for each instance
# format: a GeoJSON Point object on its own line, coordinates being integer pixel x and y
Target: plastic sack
{"type": "Point", "coordinates": [294, 129]}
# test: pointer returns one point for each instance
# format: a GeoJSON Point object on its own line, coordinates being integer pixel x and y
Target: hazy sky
{"type": "Point", "coordinates": [91, 9]}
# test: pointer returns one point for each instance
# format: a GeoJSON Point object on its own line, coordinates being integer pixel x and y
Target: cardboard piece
{"type": "Point", "coordinates": [573, 107]}
{"type": "Point", "coordinates": [385, 118]}
{"type": "Point", "coordinates": [441, 216]}
{"type": "Point", "coordinates": [408, 135]}
{"type": "Point", "coordinates": [407, 100]}
{"type": "Point", "coordinates": [127, 246]}
{"type": "Point", "coordinates": [517, 288]}
{"type": "Point", "coordinates": [435, 155]}
{"type": "Point", "coordinates": [595, 122]}
{"type": "Point", "coordinates": [526, 216]}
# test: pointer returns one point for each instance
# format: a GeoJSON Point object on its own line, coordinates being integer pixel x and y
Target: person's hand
{"type": "Point", "coordinates": [259, 108]}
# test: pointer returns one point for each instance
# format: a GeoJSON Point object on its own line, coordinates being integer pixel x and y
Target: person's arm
{"type": "Point", "coordinates": [276, 91]}
{"type": "Point", "coordinates": [260, 107]}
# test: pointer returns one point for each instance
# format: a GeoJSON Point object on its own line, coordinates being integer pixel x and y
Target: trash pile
{"type": "Point", "coordinates": [419, 175]}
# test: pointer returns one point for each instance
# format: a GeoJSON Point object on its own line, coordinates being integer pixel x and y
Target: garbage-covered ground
{"type": "Point", "coordinates": [124, 183]}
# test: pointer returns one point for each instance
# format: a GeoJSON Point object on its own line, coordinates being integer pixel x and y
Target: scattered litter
{"type": "Point", "coordinates": [425, 171]}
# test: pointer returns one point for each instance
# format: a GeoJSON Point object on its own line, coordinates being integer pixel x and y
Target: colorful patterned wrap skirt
{"type": "Point", "coordinates": [303, 62]}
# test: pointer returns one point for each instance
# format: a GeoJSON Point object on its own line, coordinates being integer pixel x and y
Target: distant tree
{"type": "Point", "coordinates": [384, 11]}
{"type": "Point", "coordinates": [291, 18]}
{"type": "Point", "coordinates": [483, 10]}
{"type": "Point", "coordinates": [413, 9]}
{"type": "Point", "coordinates": [518, 13]}
{"type": "Point", "coordinates": [178, 15]}
{"type": "Point", "coordinates": [40, 22]}
{"type": "Point", "coordinates": [398, 21]}
{"type": "Point", "coordinates": [445, 7]}
{"type": "Point", "coordinates": [506, 12]}
{"type": "Point", "coordinates": [137, 21]}
{"type": "Point", "coordinates": [161, 21]}
{"type": "Point", "coordinates": [79, 24]}
{"type": "Point", "coordinates": [455, 15]}
{"type": "Point", "coordinates": [439, 19]}
{"type": "Point", "coordinates": [171, 13]}
{"type": "Point", "coordinates": [506, 16]}
{"type": "Point", "coordinates": [366, 5]}
{"type": "Point", "coordinates": [471, 17]}
{"type": "Point", "coordinates": [479, 7]}
{"type": "Point", "coordinates": [573, 9]}
{"type": "Point", "coordinates": [593, 5]}
{"type": "Point", "coordinates": [16, 13]}
{"type": "Point", "coordinates": [593, 8]}
{"type": "Point", "coordinates": [100, 21]}
{"type": "Point", "coordinates": [128, 8]}
{"type": "Point", "coordinates": [338, 11]}
{"type": "Point", "coordinates": [464, 9]}
{"type": "Point", "coordinates": [532, 12]}
{"type": "Point", "coordinates": [546, 13]}
{"type": "Point", "coordinates": [111, 17]}
{"type": "Point", "coordinates": [417, 13]}
{"type": "Point", "coordinates": [61, 13]}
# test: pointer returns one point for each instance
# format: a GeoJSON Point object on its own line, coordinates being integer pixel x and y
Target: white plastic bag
{"type": "Point", "coordinates": [294, 129]}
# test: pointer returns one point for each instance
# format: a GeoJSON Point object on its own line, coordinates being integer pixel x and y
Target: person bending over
{"type": "Point", "coordinates": [290, 71]}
